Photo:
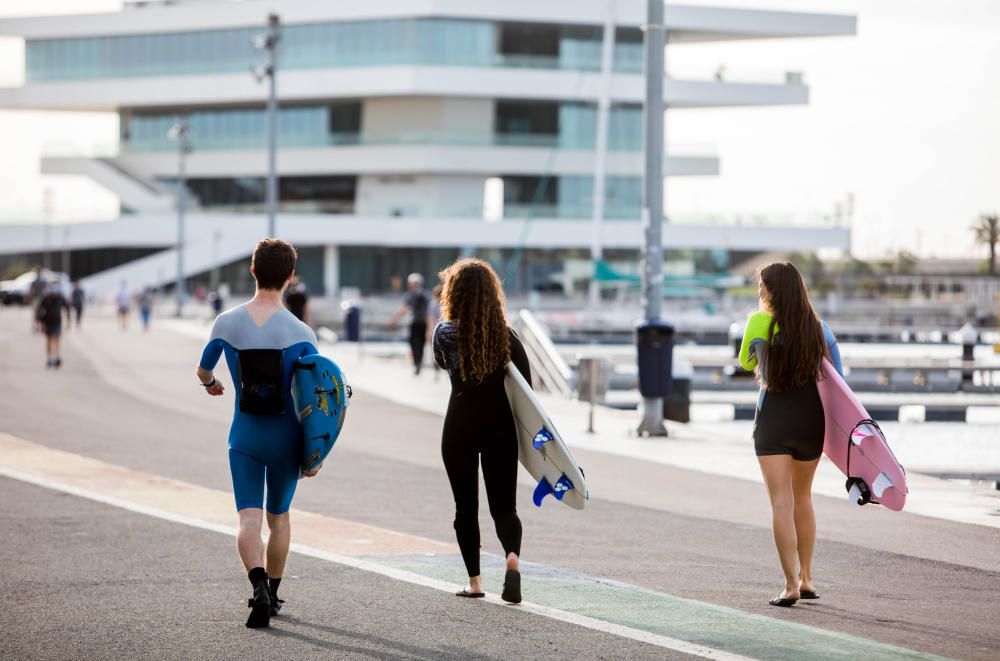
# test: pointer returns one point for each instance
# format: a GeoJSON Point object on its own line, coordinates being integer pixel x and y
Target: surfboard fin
{"type": "Point", "coordinates": [882, 482]}
{"type": "Point", "coordinates": [545, 488]}
{"type": "Point", "coordinates": [858, 492]}
{"type": "Point", "coordinates": [541, 491]}
{"type": "Point", "coordinates": [541, 438]}
{"type": "Point", "coordinates": [562, 486]}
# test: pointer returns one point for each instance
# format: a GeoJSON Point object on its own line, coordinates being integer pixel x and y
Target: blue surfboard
{"type": "Point", "coordinates": [321, 397]}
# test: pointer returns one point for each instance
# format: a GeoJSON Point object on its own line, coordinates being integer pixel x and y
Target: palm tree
{"type": "Point", "coordinates": [987, 231]}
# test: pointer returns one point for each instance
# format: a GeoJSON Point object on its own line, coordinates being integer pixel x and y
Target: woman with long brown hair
{"type": "Point", "coordinates": [785, 342]}
{"type": "Point", "coordinates": [474, 344]}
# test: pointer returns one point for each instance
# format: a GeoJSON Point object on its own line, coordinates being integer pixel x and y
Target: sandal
{"type": "Point", "coordinates": [512, 587]}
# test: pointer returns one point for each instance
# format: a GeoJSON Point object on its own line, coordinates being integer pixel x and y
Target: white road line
{"type": "Point", "coordinates": [391, 572]}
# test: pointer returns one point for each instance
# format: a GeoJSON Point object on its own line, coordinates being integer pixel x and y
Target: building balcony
{"type": "Point", "coordinates": [360, 154]}
{"type": "Point", "coordinates": [302, 86]}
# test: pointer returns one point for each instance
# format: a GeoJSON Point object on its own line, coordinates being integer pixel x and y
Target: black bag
{"type": "Point", "coordinates": [261, 382]}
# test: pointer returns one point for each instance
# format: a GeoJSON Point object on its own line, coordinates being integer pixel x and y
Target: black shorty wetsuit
{"type": "Point", "coordinates": [479, 424]}
{"type": "Point", "coordinates": [788, 421]}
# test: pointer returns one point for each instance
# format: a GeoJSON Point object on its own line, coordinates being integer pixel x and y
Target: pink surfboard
{"type": "Point", "coordinates": [857, 446]}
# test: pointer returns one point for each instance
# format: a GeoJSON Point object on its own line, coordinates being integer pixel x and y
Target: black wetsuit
{"type": "Point", "coordinates": [478, 424]}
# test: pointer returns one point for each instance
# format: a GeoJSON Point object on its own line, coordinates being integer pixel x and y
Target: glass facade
{"type": "Point", "coordinates": [578, 126]}
{"type": "Point", "coordinates": [517, 123]}
{"type": "Point", "coordinates": [570, 197]}
{"type": "Point", "coordinates": [304, 194]}
{"type": "Point", "coordinates": [428, 41]}
{"type": "Point", "coordinates": [245, 128]}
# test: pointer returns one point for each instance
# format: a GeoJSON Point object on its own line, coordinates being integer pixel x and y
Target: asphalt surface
{"type": "Point", "coordinates": [102, 582]}
{"type": "Point", "coordinates": [90, 581]}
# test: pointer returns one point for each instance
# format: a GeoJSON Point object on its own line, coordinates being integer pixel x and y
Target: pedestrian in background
{"type": "Point", "coordinates": [474, 344]}
{"type": "Point", "coordinates": [77, 301]}
{"type": "Point", "coordinates": [416, 303]}
{"type": "Point", "coordinates": [49, 316]}
{"type": "Point", "coordinates": [145, 307]}
{"type": "Point", "coordinates": [124, 302]}
{"type": "Point", "coordinates": [36, 290]}
{"type": "Point", "coordinates": [297, 301]}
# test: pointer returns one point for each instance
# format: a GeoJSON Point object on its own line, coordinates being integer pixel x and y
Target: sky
{"type": "Point", "coordinates": [903, 118]}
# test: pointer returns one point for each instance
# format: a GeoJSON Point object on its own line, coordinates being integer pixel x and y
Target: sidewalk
{"type": "Point", "coordinates": [723, 449]}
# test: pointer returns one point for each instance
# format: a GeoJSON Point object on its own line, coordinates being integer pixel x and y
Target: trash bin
{"type": "Point", "coordinates": [593, 378]}
{"type": "Point", "coordinates": [352, 323]}
{"type": "Point", "coordinates": [655, 347]}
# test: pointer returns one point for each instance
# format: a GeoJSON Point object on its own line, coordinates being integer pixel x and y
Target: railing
{"type": "Point", "coordinates": [547, 365]}
{"type": "Point", "coordinates": [312, 141]}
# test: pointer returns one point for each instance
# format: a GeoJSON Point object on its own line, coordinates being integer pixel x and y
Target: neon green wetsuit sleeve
{"type": "Point", "coordinates": [757, 327]}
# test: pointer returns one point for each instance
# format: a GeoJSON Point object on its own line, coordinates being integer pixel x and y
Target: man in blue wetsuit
{"type": "Point", "coordinates": [262, 340]}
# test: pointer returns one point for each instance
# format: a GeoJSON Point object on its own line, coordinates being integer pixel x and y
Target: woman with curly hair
{"type": "Point", "coordinates": [474, 344]}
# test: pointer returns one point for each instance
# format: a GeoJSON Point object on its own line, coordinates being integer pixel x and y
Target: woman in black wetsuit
{"type": "Point", "coordinates": [474, 344]}
{"type": "Point", "coordinates": [785, 342]}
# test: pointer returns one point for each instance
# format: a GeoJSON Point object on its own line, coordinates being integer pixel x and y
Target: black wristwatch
{"type": "Point", "coordinates": [209, 384]}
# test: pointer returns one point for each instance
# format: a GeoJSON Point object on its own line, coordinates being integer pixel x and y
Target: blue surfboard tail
{"type": "Point", "coordinates": [544, 488]}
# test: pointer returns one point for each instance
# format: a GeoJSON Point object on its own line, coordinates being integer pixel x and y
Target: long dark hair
{"type": "Point", "coordinates": [472, 299]}
{"type": "Point", "coordinates": [797, 357]}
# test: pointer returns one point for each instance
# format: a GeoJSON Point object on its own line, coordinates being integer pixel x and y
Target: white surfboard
{"type": "Point", "coordinates": [541, 449]}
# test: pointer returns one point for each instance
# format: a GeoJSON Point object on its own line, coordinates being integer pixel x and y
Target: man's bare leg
{"type": "Point", "coordinates": [248, 542]}
{"type": "Point", "coordinates": [278, 541]}
{"type": "Point", "coordinates": [251, 549]}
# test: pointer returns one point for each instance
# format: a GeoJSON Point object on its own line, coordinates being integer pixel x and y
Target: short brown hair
{"type": "Point", "coordinates": [273, 262]}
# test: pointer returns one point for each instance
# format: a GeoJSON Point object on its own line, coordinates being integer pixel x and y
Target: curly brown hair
{"type": "Point", "coordinates": [472, 299]}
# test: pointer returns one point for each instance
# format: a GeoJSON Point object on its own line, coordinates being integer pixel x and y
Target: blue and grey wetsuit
{"type": "Point", "coordinates": [265, 439]}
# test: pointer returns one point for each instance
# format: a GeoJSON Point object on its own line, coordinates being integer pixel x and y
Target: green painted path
{"type": "Point", "coordinates": [717, 627]}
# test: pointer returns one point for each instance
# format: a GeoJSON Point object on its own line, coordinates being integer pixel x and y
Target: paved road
{"type": "Point", "coordinates": [672, 552]}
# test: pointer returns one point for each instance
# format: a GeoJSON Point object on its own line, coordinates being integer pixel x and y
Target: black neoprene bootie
{"type": "Point", "coordinates": [272, 585]}
{"type": "Point", "coordinates": [260, 603]}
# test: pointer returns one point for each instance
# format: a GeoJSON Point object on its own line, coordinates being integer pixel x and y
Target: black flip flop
{"type": "Point", "coordinates": [512, 587]}
{"type": "Point", "coordinates": [470, 595]}
{"type": "Point", "coordinates": [808, 594]}
{"type": "Point", "coordinates": [784, 602]}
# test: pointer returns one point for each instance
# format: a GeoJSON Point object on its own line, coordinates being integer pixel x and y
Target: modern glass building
{"type": "Point", "coordinates": [409, 133]}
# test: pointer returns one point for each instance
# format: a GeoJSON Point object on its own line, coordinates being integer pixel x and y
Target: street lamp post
{"type": "Point", "coordinates": [180, 133]}
{"type": "Point", "coordinates": [652, 272]}
{"type": "Point", "coordinates": [268, 42]}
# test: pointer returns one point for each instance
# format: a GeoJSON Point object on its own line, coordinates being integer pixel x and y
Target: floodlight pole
{"type": "Point", "coordinates": [655, 38]}
{"type": "Point", "coordinates": [601, 153]}
{"type": "Point", "coordinates": [271, 44]}
{"type": "Point", "coordinates": [181, 133]}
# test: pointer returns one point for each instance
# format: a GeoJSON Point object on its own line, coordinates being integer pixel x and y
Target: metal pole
{"type": "Point", "coordinates": [652, 212]}
{"type": "Point", "coordinates": [47, 205]}
{"type": "Point", "coordinates": [273, 36]}
{"type": "Point", "coordinates": [593, 394]}
{"type": "Point", "coordinates": [66, 265]}
{"type": "Point", "coordinates": [181, 132]}
{"type": "Point", "coordinates": [601, 151]}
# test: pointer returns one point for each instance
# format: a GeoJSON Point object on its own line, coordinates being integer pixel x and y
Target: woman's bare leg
{"type": "Point", "coordinates": [805, 518]}
{"type": "Point", "coordinates": [777, 471]}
